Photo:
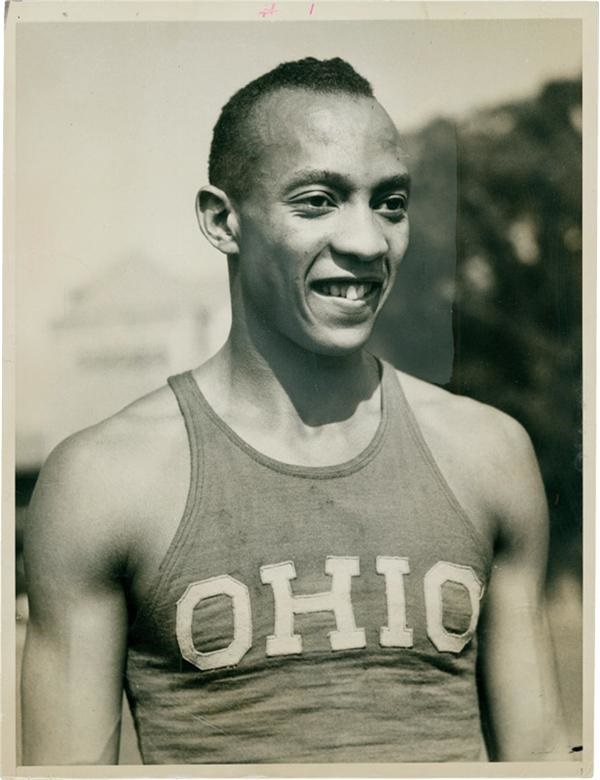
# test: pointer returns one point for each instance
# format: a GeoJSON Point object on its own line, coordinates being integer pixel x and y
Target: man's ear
{"type": "Point", "coordinates": [217, 219]}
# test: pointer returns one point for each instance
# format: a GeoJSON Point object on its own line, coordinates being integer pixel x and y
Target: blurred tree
{"type": "Point", "coordinates": [496, 228]}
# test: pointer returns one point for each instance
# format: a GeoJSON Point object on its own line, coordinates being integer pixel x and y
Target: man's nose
{"type": "Point", "coordinates": [360, 235]}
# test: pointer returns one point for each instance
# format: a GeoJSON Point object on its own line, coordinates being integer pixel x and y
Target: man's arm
{"type": "Point", "coordinates": [522, 709]}
{"type": "Point", "coordinates": [76, 636]}
{"type": "Point", "coordinates": [489, 462]}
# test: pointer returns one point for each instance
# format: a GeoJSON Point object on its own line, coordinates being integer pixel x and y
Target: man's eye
{"type": "Point", "coordinates": [395, 204]}
{"type": "Point", "coordinates": [317, 201]}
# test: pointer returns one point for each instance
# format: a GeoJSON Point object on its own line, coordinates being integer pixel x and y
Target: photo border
{"type": "Point", "coordinates": [97, 11]}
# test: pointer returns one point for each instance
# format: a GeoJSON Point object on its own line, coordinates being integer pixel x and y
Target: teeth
{"type": "Point", "coordinates": [351, 291]}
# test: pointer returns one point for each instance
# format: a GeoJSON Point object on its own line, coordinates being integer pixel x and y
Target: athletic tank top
{"type": "Point", "coordinates": [311, 614]}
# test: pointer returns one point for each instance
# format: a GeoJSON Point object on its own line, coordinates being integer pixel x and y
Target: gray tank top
{"type": "Point", "coordinates": [307, 614]}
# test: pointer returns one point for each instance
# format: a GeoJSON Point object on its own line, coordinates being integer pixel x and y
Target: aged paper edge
{"type": "Point", "coordinates": [30, 11]}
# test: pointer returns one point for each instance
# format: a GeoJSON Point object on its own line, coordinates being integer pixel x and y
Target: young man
{"type": "Point", "coordinates": [294, 552]}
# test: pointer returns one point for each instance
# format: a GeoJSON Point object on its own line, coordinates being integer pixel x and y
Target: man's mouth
{"type": "Point", "coordinates": [348, 289]}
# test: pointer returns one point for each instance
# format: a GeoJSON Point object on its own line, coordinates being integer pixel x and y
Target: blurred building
{"type": "Point", "coordinates": [119, 338]}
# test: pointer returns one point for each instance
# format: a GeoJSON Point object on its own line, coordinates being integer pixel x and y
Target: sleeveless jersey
{"type": "Point", "coordinates": [311, 614]}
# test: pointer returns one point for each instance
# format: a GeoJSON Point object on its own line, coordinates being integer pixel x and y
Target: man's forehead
{"type": "Point", "coordinates": [291, 116]}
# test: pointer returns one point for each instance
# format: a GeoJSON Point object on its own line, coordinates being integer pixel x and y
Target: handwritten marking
{"type": "Point", "coordinates": [312, 8]}
{"type": "Point", "coordinates": [268, 10]}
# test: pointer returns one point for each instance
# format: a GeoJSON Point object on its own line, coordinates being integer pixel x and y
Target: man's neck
{"type": "Point", "coordinates": [291, 404]}
{"type": "Point", "coordinates": [290, 381]}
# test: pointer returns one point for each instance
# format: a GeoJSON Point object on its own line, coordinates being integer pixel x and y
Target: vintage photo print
{"type": "Point", "coordinates": [298, 374]}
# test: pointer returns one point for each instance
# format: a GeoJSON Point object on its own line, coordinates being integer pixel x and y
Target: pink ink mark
{"type": "Point", "coordinates": [312, 8]}
{"type": "Point", "coordinates": [267, 10]}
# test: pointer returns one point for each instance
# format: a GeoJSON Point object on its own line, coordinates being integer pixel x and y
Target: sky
{"type": "Point", "coordinates": [113, 124]}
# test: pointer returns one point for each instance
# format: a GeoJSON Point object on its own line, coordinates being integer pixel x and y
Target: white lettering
{"type": "Point", "coordinates": [242, 622]}
{"type": "Point", "coordinates": [440, 573]}
{"type": "Point", "coordinates": [396, 633]}
{"type": "Point", "coordinates": [284, 641]}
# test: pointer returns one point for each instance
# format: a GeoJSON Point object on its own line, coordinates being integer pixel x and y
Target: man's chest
{"type": "Point", "coordinates": [325, 574]}
{"type": "Point", "coordinates": [290, 608]}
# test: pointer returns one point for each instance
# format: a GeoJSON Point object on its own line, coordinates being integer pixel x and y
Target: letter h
{"type": "Point", "coordinates": [347, 636]}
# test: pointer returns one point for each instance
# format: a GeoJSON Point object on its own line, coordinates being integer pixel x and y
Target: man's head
{"type": "Point", "coordinates": [316, 226]}
{"type": "Point", "coordinates": [236, 147]}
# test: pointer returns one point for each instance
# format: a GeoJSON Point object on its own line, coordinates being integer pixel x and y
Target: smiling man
{"type": "Point", "coordinates": [294, 552]}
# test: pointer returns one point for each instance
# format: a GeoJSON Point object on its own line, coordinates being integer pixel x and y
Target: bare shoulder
{"type": "Point", "coordinates": [485, 454]}
{"type": "Point", "coordinates": [459, 417]}
{"type": "Point", "coordinates": [100, 484]}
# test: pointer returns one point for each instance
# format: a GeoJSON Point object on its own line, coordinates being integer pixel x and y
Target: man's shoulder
{"type": "Point", "coordinates": [128, 439]}
{"type": "Point", "coordinates": [108, 478]}
{"type": "Point", "coordinates": [486, 455]}
{"type": "Point", "coordinates": [461, 418]}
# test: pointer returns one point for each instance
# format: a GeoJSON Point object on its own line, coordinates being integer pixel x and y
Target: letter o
{"type": "Point", "coordinates": [242, 622]}
{"type": "Point", "coordinates": [440, 573]}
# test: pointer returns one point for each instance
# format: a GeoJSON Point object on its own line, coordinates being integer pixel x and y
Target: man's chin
{"type": "Point", "coordinates": [340, 343]}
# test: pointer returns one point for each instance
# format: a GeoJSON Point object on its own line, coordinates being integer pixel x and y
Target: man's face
{"type": "Point", "coordinates": [324, 227]}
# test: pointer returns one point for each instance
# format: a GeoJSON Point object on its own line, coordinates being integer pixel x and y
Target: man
{"type": "Point", "coordinates": [294, 553]}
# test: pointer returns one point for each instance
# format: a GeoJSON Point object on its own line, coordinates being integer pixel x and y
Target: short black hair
{"type": "Point", "coordinates": [232, 152]}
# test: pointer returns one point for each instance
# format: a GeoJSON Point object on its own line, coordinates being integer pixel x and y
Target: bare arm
{"type": "Point", "coordinates": [523, 709]}
{"type": "Point", "coordinates": [76, 636]}
{"type": "Point", "coordinates": [488, 460]}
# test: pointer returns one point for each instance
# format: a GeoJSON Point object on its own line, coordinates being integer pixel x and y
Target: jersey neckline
{"type": "Point", "coordinates": [311, 472]}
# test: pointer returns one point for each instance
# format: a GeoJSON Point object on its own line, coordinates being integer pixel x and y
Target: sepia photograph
{"type": "Point", "coordinates": [296, 430]}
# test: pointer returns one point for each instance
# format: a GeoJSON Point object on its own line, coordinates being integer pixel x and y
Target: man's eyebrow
{"type": "Point", "coordinates": [340, 182]}
{"type": "Point", "coordinates": [315, 176]}
{"type": "Point", "coordinates": [400, 181]}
